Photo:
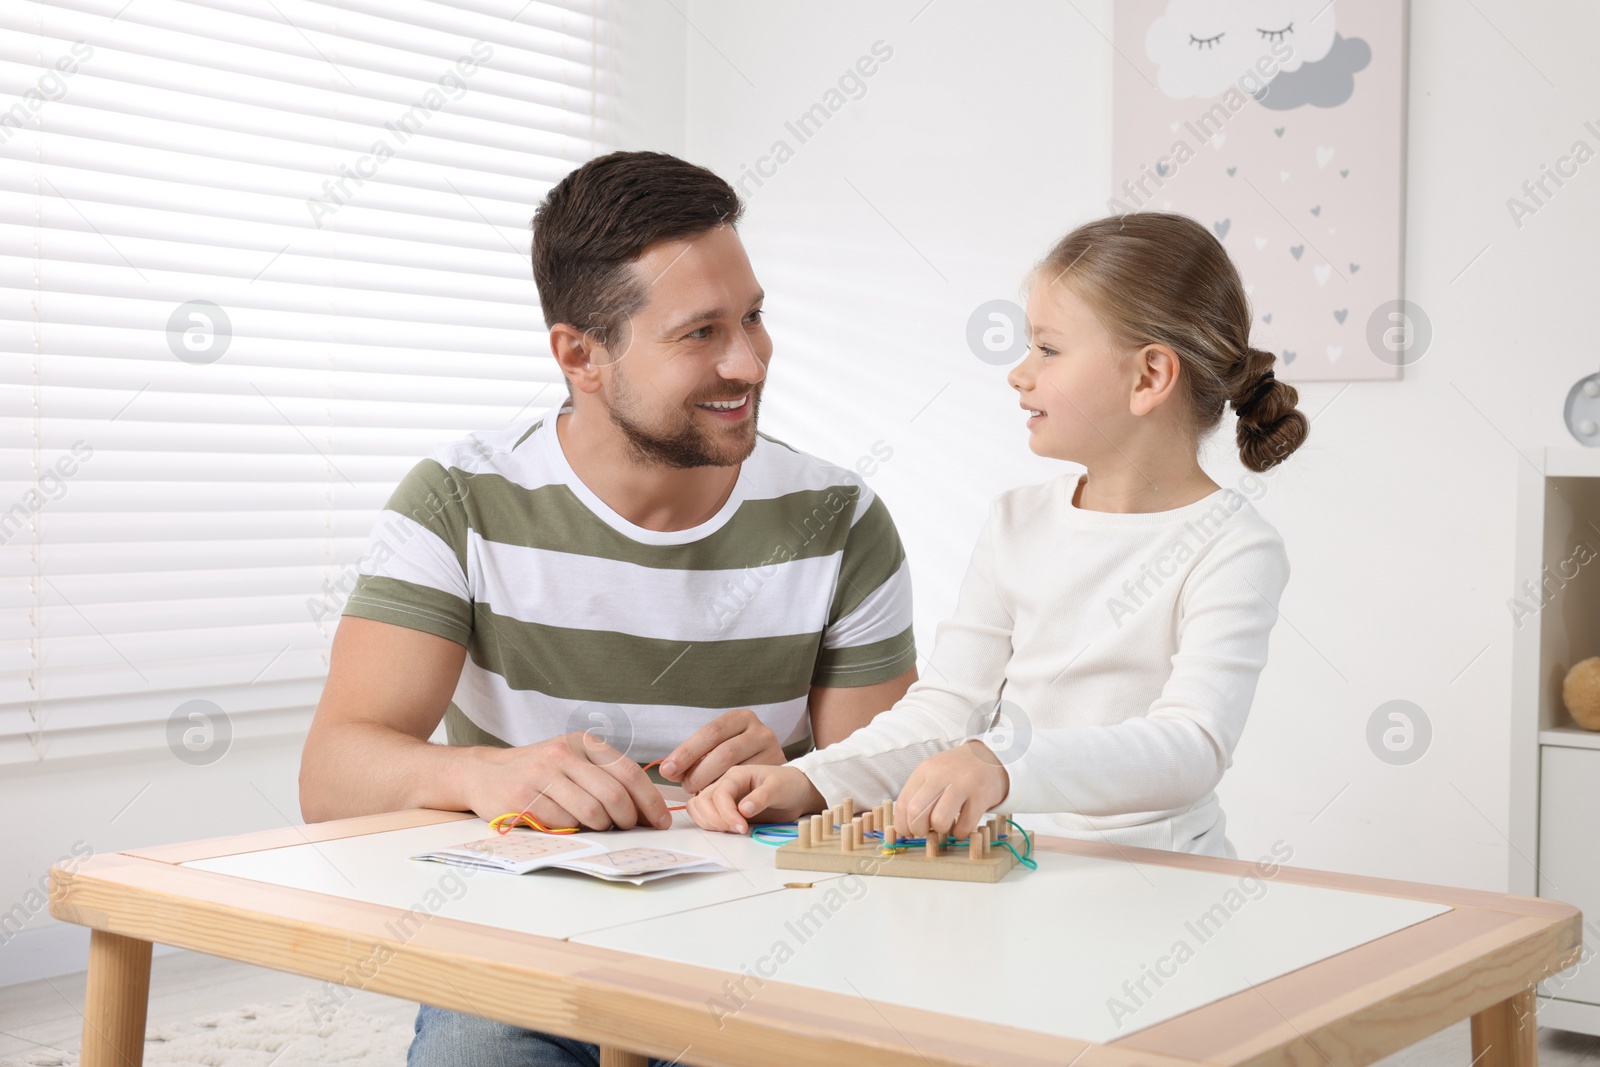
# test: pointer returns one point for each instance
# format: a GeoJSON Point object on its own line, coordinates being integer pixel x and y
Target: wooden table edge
{"type": "Point", "coordinates": [1387, 1010]}
{"type": "Point", "coordinates": [1547, 940]}
{"type": "Point", "coordinates": [1454, 896]}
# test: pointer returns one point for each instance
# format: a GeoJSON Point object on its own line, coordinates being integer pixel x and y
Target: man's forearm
{"type": "Point", "coordinates": [360, 768]}
{"type": "Point", "coordinates": [836, 713]}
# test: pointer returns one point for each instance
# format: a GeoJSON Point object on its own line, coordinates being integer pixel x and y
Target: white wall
{"type": "Point", "coordinates": [985, 137]}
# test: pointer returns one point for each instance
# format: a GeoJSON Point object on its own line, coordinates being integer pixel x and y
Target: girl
{"type": "Point", "coordinates": [1104, 652]}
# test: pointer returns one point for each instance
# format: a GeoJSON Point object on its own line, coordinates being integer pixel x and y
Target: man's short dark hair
{"type": "Point", "coordinates": [597, 220]}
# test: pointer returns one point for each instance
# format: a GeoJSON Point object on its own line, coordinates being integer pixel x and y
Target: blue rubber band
{"type": "Point", "coordinates": [779, 834]}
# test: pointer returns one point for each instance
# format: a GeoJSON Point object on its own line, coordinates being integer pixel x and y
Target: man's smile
{"type": "Point", "coordinates": [727, 410]}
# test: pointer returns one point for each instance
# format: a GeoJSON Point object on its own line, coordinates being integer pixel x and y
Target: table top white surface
{"type": "Point", "coordinates": [377, 869]}
{"type": "Point", "coordinates": [1083, 947]}
{"type": "Point", "coordinates": [1046, 950]}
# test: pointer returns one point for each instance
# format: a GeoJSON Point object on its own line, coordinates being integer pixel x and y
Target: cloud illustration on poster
{"type": "Point", "coordinates": [1328, 83]}
{"type": "Point", "coordinates": [1201, 48]}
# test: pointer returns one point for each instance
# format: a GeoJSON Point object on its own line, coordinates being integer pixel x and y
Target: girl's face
{"type": "Point", "coordinates": [1073, 380]}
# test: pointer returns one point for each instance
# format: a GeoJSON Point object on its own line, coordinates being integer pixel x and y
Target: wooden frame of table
{"type": "Point", "coordinates": [1482, 959]}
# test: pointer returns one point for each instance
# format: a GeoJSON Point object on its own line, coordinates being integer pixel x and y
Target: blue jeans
{"type": "Point", "coordinates": [450, 1039]}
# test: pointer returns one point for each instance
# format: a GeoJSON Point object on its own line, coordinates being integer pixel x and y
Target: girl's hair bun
{"type": "Point", "coordinates": [1270, 427]}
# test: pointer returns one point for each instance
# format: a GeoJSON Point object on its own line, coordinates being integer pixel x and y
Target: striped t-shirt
{"type": "Point", "coordinates": [574, 618]}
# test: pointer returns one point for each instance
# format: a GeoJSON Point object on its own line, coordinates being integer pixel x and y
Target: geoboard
{"type": "Point", "coordinates": [839, 840]}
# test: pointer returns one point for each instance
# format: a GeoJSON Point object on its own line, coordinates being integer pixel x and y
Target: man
{"type": "Point", "coordinates": [639, 576]}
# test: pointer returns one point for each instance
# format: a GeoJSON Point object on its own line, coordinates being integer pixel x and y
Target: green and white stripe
{"type": "Point", "coordinates": [571, 615]}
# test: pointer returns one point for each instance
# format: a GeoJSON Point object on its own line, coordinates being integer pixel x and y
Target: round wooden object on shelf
{"type": "Point", "coordinates": [1581, 693]}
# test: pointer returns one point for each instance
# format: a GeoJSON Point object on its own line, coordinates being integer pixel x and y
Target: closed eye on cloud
{"type": "Point", "coordinates": [1275, 35]}
{"type": "Point", "coordinates": [1206, 42]}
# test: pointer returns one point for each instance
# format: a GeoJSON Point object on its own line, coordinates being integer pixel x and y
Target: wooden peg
{"type": "Point", "coordinates": [931, 842]}
{"type": "Point", "coordinates": [847, 837]}
{"type": "Point", "coordinates": [803, 833]}
{"type": "Point", "coordinates": [888, 812]}
{"type": "Point", "coordinates": [847, 810]}
{"type": "Point", "coordinates": [858, 832]}
{"type": "Point", "coordinates": [819, 833]}
{"type": "Point", "coordinates": [975, 845]}
{"type": "Point", "coordinates": [890, 838]}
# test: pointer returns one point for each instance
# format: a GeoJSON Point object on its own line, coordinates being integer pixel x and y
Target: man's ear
{"type": "Point", "coordinates": [579, 355]}
{"type": "Point", "coordinates": [1157, 370]}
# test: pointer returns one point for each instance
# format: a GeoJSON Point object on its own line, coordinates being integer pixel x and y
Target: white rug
{"type": "Point", "coordinates": [285, 1032]}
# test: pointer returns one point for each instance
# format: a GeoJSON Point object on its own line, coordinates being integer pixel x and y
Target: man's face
{"type": "Point", "coordinates": [686, 385]}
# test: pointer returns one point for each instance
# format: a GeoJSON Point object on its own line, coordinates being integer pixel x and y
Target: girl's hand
{"type": "Point", "coordinates": [752, 792]}
{"type": "Point", "coordinates": [950, 793]}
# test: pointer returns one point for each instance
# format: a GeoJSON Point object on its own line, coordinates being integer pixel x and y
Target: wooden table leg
{"type": "Point", "coordinates": [616, 1057]}
{"type": "Point", "coordinates": [1506, 1035]}
{"type": "Point", "coordinates": [116, 1002]}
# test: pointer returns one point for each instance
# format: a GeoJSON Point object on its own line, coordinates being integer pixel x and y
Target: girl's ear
{"type": "Point", "coordinates": [1157, 370]}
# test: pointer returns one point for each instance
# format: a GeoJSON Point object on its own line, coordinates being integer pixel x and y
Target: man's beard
{"type": "Point", "coordinates": [687, 444]}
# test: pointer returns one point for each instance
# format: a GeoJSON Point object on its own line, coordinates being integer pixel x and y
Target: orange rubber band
{"type": "Point", "coordinates": [503, 826]}
{"type": "Point", "coordinates": [670, 807]}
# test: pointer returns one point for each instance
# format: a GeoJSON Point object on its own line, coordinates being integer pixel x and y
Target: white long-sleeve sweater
{"type": "Point", "coordinates": [1127, 646]}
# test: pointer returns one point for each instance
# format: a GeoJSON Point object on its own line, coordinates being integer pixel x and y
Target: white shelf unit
{"type": "Point", "coordinates": [1555, 764]}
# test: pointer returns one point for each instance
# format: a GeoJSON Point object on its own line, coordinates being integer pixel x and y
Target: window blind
{"type": "Point", "coordinates": [256, 258]}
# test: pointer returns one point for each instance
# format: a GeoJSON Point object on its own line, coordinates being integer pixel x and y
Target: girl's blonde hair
{"type": "Point", "coordinates": [1160, 278]}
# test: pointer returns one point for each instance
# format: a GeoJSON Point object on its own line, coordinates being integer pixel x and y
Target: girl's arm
{"type": "Point", "coordinates": [962, 678]}
{"type": "Point", "coordinates": [1175, 753]}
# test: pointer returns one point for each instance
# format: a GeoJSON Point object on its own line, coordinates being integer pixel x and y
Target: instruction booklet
{"type": "Point", "coordinates": [521, 851]}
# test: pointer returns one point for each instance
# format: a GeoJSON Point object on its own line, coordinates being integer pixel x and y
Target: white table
{"type": "Point", "coordinates": [1307, 966]}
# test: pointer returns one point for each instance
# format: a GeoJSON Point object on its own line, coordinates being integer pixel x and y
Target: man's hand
{"type": "Point", "coordinates": [951, 792]}
{"type": "Point", "coordinates": [754, 793]}
{"type": "Point", "coordinates": [572, 780]}
{"type": "Point", "coordinates": [732, 738]}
